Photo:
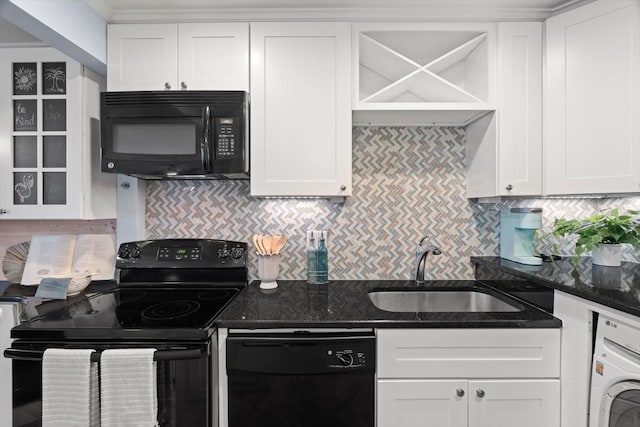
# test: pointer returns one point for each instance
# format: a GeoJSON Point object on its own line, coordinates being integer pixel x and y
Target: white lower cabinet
{"type": "Point", "coordinates": [468, 377]}
{"type": "Point", "coordinates": [505, 403]}
{"type": "Point", "coordinates": [461, 403]}
{"type": "Point", "coordinates": [407, 403]}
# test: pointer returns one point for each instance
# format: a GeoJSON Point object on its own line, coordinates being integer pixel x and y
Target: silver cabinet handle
{"type": "Point", "coordinates": [509, 187]}
{"type": "Point", "coordinates": [3, 211]}
{"type": "Point", "coordinates": [183, 85]}
{"type": "Point", "coordinates": [480, 393]}
{"type": "Point", "coordinates": [343, 187]}
{"type": "Point", "coordinates": [459, 392]}
{"type": "Point", "coordinates": [167, 86]}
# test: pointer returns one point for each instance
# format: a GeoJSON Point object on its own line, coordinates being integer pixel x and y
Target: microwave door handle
{"type": "Point", "coordinates": [204, 146]}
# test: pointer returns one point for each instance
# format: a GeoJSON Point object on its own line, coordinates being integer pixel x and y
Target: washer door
{"type": "Point", "coordinates": [621, 405]}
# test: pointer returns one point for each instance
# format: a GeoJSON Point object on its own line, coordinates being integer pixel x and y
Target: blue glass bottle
{"type": "Point", "coordinates": [323, 260]}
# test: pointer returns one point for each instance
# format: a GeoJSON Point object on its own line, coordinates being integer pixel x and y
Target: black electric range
{"type": "Point", "coordinates": [168, 296]}
{"type": "Point", "coordinates": [169, 289]}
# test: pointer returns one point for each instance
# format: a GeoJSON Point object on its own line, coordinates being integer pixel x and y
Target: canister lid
{"type": "Point", "coordinates": [525, 210]}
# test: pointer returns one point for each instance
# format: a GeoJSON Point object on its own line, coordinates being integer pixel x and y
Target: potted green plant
{"type": "Point", "coordinates": [603, 234]}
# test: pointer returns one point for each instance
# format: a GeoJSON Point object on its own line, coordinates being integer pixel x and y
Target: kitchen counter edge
{"type": "Point", "coordinates": [613, 287]}
{"type": "Point", "coordinates": [345, 304]}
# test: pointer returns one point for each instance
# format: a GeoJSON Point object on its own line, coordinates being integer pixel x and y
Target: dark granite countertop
{"type": "Point", "coordinates": [345, 304]}
{"type": "Point", "coordinates": [615, 287]}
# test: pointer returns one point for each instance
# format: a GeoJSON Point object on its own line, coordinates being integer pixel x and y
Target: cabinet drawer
{"type": "Point", "coordinates": [468, 353]}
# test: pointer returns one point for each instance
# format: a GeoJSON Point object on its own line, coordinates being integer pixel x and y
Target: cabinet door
{"type": "Point", "coordinates": [300, 109]}
{"type": "Point", "coordinates": [576, 352]}
{"type": "Point", "coordinates": [504, 149]}
{"type": "Point", "coordinates": [213, 56]}
{"type": "Point", "coordinates": [41, 146]}
{"type": "Point", "coordinates": [520, 108]}
{"type": "Point", "coordinates": [533, 403]}
{"type": "Point", "coordinates": [592, 142]}
{"type": "Point", "coordinates": [422, 403]}
{"type": "Point", "coordinates": [142, 57]}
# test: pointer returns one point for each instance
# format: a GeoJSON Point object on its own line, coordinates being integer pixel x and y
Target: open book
{"type": "Point", "coordinates": [60, 255]}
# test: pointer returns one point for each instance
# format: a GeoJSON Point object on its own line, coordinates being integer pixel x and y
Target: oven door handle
{"type": "Point", "coordinates": [160, 355]}
{"type": "Point", "coordinates": [15, 299]}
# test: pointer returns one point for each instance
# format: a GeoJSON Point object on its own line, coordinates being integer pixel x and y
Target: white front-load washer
{"type": "Point", "coordinates": [615, 374]}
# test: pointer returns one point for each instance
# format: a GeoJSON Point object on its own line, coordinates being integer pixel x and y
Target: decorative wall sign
{"type": "Point", "coordinates": [25, 115]}
{"type": "Point", "coordinates": [54, 185]}
{"type": "Point", "coordinates": [25, 188]}
{"type": "Point", "coordinates": [54, 113]}
{"type": "Point", "coordinates": [54, 151]}
{"type": "Point", "coordinates": [25, 78]}
{"type": "Point", "coordinates": [54, 78]}
{"type": "Point", "coordinates": [25, 152]}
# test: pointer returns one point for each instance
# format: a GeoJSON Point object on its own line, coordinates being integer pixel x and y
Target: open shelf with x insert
{"type": "Point", "coordinates": [438, 73]}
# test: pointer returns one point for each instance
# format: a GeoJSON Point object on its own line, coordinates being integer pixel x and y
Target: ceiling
{"type": "Point", "coordinates": [355, 10]}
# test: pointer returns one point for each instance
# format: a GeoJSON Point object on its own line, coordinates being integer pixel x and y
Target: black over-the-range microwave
{"type": "Point", "coordinates": [175, 134]}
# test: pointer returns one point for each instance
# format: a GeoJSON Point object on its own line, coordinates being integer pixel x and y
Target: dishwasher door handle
{"type": "Point", "coordinates": [160, 355]}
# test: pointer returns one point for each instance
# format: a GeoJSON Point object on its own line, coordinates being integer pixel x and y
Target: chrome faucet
{"type": "Point", "coordinates": [421, 254]}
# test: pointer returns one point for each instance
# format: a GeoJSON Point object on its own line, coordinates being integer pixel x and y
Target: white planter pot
{"type": "Point", "coordinates": [608, 255]}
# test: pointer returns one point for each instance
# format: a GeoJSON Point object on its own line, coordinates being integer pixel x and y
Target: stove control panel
{"type": "Point", "coordinates": [179, 253]}
{"type": "Point", "coordinates": [182, 253]}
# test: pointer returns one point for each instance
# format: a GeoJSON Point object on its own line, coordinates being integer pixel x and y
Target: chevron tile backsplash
{"type": "Point", "coordinates": [407, 181]}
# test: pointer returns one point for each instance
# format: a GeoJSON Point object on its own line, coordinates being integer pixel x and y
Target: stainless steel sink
{"type": "Point", "coordinates": [440, 301]}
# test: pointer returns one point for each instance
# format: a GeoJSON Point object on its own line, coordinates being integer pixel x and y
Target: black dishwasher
{"type": "Point", "coordinates": [301, 379]}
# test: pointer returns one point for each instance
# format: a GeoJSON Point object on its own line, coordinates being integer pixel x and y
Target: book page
{"type": "Point", "coordinates": [49, 256]}
{"type": "Point", "coordinates": [96, 254]}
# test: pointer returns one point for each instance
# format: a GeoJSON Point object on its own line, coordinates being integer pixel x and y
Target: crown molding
{"type": "Point", "coordinates": [464, 10]}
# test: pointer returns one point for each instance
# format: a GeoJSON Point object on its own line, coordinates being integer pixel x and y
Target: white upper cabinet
{"type": "Point", "coordinates": [300, 109]}
{"type": "Point", "coordinates": [504, 149]}
{"type": "Point", "coordinates": [592, 131]}
{"type": "Point", "coordinates": [426, 73]}
{"type": "Point", "coordinates": [178, 56]}
{"type": "Point", "coordinates": [50, 138]}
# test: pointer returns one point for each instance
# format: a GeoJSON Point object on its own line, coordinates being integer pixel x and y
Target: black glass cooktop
{"type": "Point", "coordinates": [138, 312]}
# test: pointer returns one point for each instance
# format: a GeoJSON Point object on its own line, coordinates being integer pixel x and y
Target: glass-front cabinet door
{"type": "Point", "coordinates": [41, 134]}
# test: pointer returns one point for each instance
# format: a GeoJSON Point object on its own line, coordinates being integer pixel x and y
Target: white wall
{"type": "Point", "coordinates": [71, 26]}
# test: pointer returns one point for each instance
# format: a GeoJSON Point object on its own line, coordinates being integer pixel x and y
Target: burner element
{"type": "Point", "coordinates": [170, 310]}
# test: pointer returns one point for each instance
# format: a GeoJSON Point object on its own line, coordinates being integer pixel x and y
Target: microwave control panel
{"type": "Point", "coordinates": [227, 131]}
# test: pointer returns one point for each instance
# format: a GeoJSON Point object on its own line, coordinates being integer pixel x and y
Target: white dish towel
{"type": "Point", "coordinates": [69, 388]}
{"type": "Point", "coordinates": [128, 389]}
